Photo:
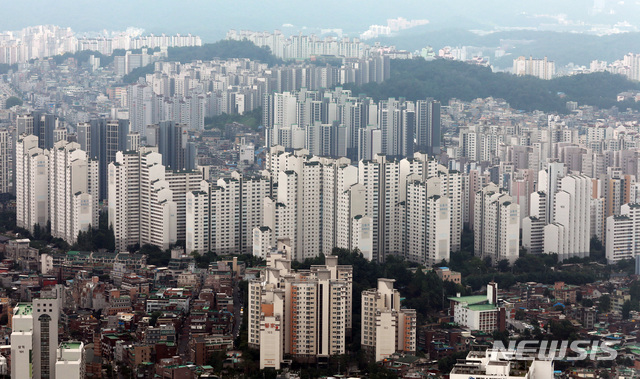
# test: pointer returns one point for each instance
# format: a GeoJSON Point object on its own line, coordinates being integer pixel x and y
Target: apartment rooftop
{"type": "Point", "coordinates": [70, 345]}
{"type": "Point", "coordinates": [24, 309]}
{"type": "Point", "coordinates": [470, 299]}
{"type": "Point", "coordinates": [482, 307]}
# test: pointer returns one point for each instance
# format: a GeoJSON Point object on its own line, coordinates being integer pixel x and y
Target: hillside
{"type": "Point", "coordinates": [223, 49]}
{"type": "Point", "coordinates": [563, 48]}
{"type": "Point", "coordinates": [443, 80]}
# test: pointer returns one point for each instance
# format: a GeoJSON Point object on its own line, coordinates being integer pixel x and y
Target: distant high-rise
{"type": "Point", "coordinates": [83, 136]}
{"type": "Point", "coordinates": [5, 167]}
{"type": "Point", "coordinates": [172, 140]}
{"type": "Point", "coordinates": [59, 185]}
{"type": "Point", "coordinates": [73, 191]}
{"type": "Point", "coordinates": [24, 126]}
{"type": "Point", "coordinates": [334, 123]}
{"type": "Point", "coordinates": [141, 206]}
{"type": "Point", "coordinates": [102, 139]}
{"type": "Point", "coordinates": [540, 68]}
{"type": "Point", "coordinates": [140, 97]}
{"type": "Point", "coordinates": [428, 126]}
{"type": "Point", "coordinates": [32, 183]}
{"type": "Point", "coordinates": [39, 124]}
{"type": "Point", "coordinates": [497, 225]}
{"type": "Point", "coordinates": [397, 124]}
{"type": "Point", "coordinates": [569, 234]}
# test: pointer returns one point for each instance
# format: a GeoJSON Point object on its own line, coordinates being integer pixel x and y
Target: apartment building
{"type": "Point", "coordinates": [306, 314]}
{"type": "Point", "coordinates": [142, 209]}
{"type": "Point", "coordinates": [498, 237]}
{"type": "Point", "coordinates": [387, 328]}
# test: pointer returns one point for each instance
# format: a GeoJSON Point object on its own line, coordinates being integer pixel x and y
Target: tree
{"type": "Point", "coordinates": [587, 303]}
{"type": "Point", "coordinates": [224, 49]}
{"type": "Point", "coordinates": [155, 255]}
{"type": "Point", "coordinates": [501, 336]}
{"type": "Point", "coordinates": [447, 363]}
{"type": "Point", "coordinates": [216, 360]}
{"type": "Point", "coordinates": [154, 318]}
{"type": "Point", "coordinates": [563, 330]}
{"type": "Point", "coordinates": [136, 73]}
{"type": "Point", "coordinates": [503, 265]}
{"type": "Point", "coordinates": [604, 303]}
{"type": "Point", "coordinates": [251, 119]}
{"type": "Point", "coordinates": [12, 101]}
{"type": "Point", "coordinates": [626, 309]}
{"type": "Point", "coordinates": [443, 80]}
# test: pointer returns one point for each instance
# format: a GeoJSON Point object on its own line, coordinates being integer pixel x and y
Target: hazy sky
{"type": "Point", "coordinates": [212, 18]}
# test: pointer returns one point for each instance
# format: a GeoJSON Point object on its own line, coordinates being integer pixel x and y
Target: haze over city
{"type": "Point", "coordinates": [296, 189]}
{"type": "Point", "coordinates": [212, 18]}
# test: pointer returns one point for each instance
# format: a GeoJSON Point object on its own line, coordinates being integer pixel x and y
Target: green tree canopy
{"type": "Point", "coordinates": [13, 101]}
{"type": "Point", "coordinates": [443, 80]}
{"type": "Point", "coordinates": [223, 49]}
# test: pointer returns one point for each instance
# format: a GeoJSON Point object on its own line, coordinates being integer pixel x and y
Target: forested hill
{"type": "Point", "coordinates": [443, 80]}
{"type": "Point", "coordinates": [223, 49]}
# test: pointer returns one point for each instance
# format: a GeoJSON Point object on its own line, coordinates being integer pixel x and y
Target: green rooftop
{"type": "Point", "coordinates": [470, 299]}
{"type": "Point", "coordinates": [70, 345]}
{"type": "Point", "coordinates": [24, 309]}
{"type": "Point", "coordinates": [482, 307]}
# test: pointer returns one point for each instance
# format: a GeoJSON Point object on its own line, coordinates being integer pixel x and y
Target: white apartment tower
{"type": "Point", "coordinates": [5, 177]}
{"type": "Point", "coordinates": [386, 327]}
{"type": "Point", "coordinates": [533, 226]}
{"type": "Point", "coordinates": [182, 182]}
{"type": "Point", "coordinates": [540, 68]}
{"type": "Point", "coordinates": [73, 191]}
{"type": "Point", "coordinates": [497, 225]}
{"type": "Point", "coordinates": [223, 217]}
{"type": "Point", "coordinates": [307, 205]}
{"type": "Point", "coordinates": [569, 234]}
{"type": "Point", "coordinates": [32, 183]}
{"type": "Point", "coordinates": [46, 313]}
{"type": "Point", "coordinates": [322, 203]}
{"type": "Point", "coordinates": [622, 234]}
{"type": "Point", "coordinates": [428, 222]}
{"type": "Point", "coordinates": [141, 206]}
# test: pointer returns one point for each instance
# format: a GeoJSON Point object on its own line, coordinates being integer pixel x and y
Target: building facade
{"type": "Point", "coordinates": [387, 328]}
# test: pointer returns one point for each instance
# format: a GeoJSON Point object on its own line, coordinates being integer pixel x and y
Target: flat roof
{"type": "Point", "coordinates": [70, 345]}
{"type": "Point", "coordinates": [470, 299]}
{"type": "Point", "coordinates": [482, 307]}
{"type": "Point", "coordinates": [24, 309]}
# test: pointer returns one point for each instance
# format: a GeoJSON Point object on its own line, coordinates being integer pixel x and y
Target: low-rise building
{"type": "Point", "coordinates": [70, 363]}
{"type": "Point", "coordinates": [448, 275]}
{"type": "Point", "coordinates": [479, 312]}
{"type": "Point", "coordinates": [498, 365]}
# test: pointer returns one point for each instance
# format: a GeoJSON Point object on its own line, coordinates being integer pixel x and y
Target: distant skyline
{"type": "Point", "coordinates": [211, 19]}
